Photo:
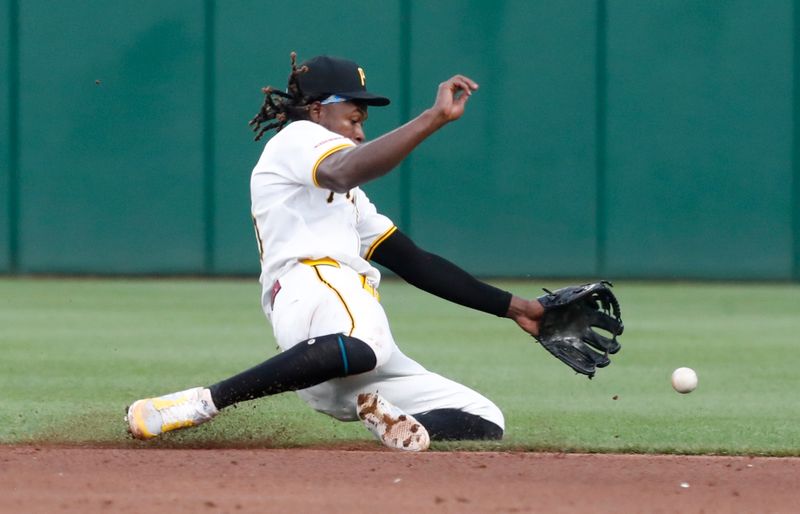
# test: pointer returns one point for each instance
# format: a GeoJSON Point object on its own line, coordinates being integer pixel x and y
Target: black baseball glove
{"type": "Point", "coordinates": [568, 326]}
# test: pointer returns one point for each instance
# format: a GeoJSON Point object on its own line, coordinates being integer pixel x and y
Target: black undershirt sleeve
{"type": "Point", "coordinates": [439, 276]}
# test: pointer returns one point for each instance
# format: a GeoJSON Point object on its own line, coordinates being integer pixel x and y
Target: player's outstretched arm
{"type": "Point", "coordinates": [444, 279]}
{"type": "Point", "coordinates": [346, 169]}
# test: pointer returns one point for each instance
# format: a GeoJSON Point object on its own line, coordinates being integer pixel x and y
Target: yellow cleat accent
{"type": "Point", "coordinates": [152, 417]}
{"type": "Point", "coordinates": [136, 418]}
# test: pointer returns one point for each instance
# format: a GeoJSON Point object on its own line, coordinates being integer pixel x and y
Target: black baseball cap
{"type": "Point", "coordinates": [328, 75]}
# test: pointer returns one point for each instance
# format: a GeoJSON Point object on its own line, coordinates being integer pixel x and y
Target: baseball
{"type": "Point", "coordinates": [684, 380]}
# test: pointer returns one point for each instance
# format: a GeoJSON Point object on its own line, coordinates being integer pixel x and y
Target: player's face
{"type": "Point", "coordinates": [345, 118]}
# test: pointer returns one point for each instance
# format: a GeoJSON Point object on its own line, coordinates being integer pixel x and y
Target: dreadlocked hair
{"type": "Point", "coordinates": [280, 106]}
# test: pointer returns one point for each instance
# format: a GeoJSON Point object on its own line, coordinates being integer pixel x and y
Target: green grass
{"type": "Point", "coordinates": [73, 353]}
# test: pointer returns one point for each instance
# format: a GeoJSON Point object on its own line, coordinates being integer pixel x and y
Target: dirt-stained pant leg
{"type": "Point", "coordinates": [319, 300]}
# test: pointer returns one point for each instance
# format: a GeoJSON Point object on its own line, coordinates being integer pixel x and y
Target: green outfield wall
{"type": "Point", "coordinates": [623, 139]}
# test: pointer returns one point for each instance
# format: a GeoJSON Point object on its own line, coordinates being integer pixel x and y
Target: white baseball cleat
{"type": "Point", "coordinates": [152, 417]}
{"type": "Point", "coordinates": [393, 427]}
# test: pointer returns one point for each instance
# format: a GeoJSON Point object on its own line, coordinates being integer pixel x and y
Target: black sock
{"type": "Point", "coordinates": [457, 425]}
{"type": "Point", "coordinates": [306, 364]}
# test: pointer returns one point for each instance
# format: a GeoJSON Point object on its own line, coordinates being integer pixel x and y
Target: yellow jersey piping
{"type": "Point", "coordinates": [322, 158]}
{"type": "Point", "coordinates": [341, 299]}
{"type": "Point", "coordinates": [378, 241]}
{"type": "Point", "coordinates": [327, 261]}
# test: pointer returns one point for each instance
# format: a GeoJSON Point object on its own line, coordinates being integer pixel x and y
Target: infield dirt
{"type": "Point", "coordinates": [367, 479]}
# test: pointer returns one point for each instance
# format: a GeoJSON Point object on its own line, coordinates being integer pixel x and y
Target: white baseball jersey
{"type": "Point", "coordinates": [296, 219]}
{"type": "Point", "coordinates": [317, 244]}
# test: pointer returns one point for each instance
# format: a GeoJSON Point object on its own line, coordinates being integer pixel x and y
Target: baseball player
{"type": "Point", "coordinates": [317, 235]}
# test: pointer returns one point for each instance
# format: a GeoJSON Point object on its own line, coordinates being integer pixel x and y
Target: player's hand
{"type": "Point", "coordinates": [452, 96]}
{"type": "Point", "coordinates": [526, 313]}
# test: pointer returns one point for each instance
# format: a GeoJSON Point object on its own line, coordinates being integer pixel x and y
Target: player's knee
{"type": "Point", "coordinates": [457, 425]}
{"type": "Point", "coordinates": [339, 354]}
{"type": "Point", "coordinates": [494, 415]}
{"type": "Point", "coordinates": [491, 431]}
{"type": "Point", "coordinates": [357, 356]}
{"type": "Point", "coordinates": [381, 347]}
{"type": "Point", "coordinates": [382, 353]}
